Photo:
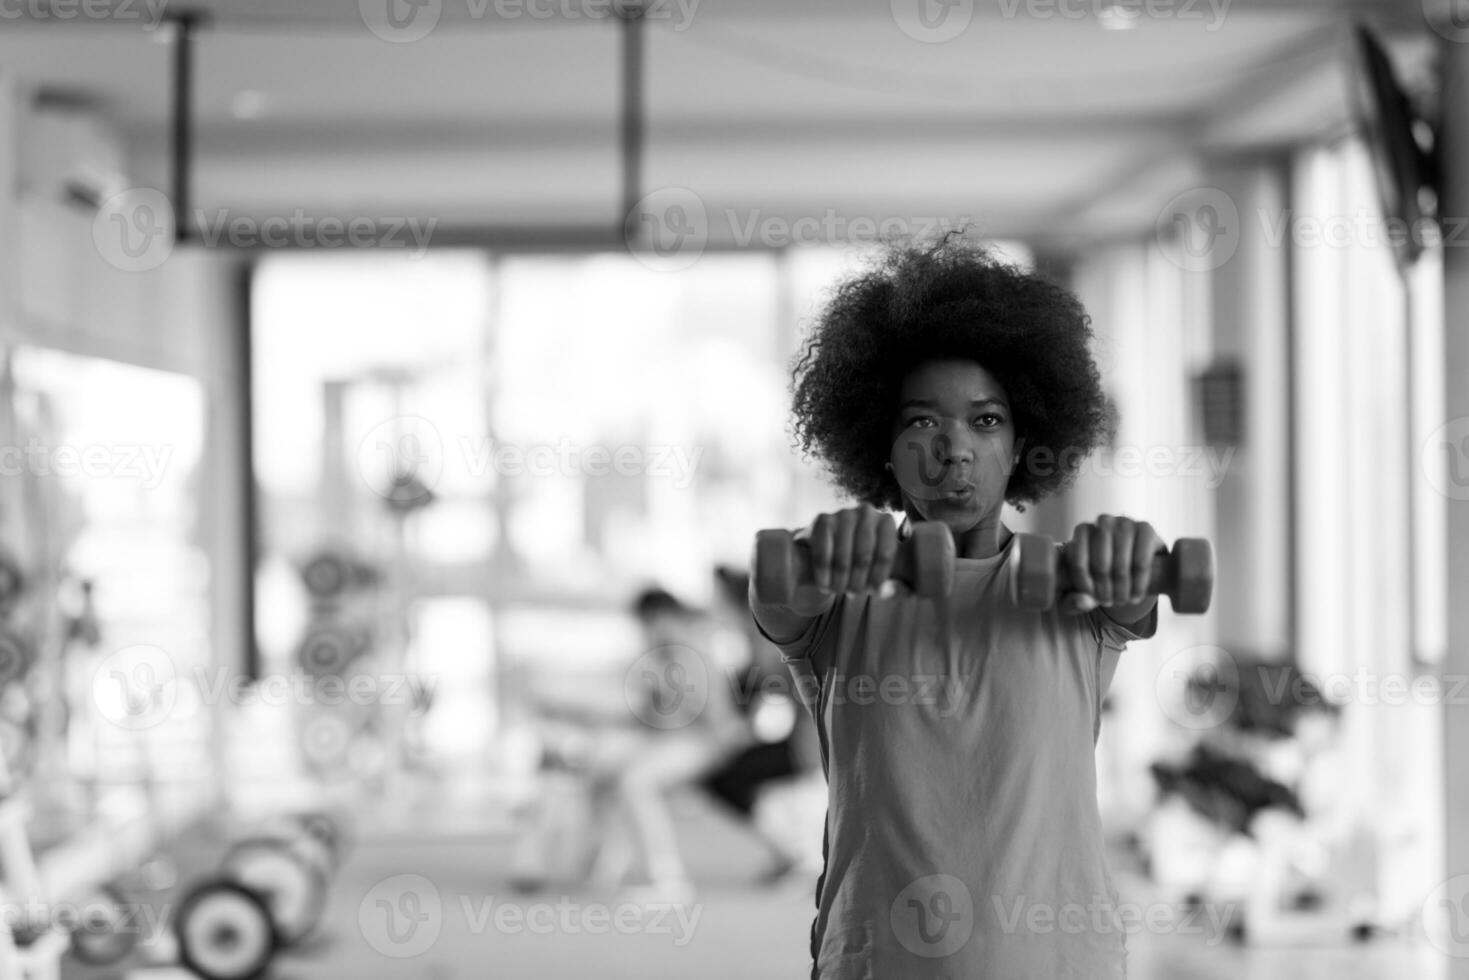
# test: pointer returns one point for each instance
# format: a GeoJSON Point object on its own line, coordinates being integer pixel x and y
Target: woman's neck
{"type": "Point", "coordinates": [985, 540]}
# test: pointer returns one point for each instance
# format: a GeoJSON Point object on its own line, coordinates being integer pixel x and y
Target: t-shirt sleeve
{"type": "Point", "coordinates": [799, 647]}
{"type": "Point", "coordinates": [1113, 634]}
{"type": "Point", "coordinates": [797, 652]}
{"type": "Point", "coordinates": [1111, 637]}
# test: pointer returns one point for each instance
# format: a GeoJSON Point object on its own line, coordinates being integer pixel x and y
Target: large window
{"type": "Point", "coordinates": [100, 513]}
{"type": "Point", "coordinates": [1366, 389]}
{"type": "Point", "coordinates": [563, 431]}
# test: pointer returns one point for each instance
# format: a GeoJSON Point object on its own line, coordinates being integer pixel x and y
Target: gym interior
{"type": "Point", "coordinates": [367, 368]}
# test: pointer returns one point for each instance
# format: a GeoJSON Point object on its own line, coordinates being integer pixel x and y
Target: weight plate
{"type": "Point", "coordinates": [325, 742]}
{"type": "Point", "coordinates": [293, 887]}
{"type": "Point", "coordinates": [224, 931]}
{"type": "Point", "coordinates": [327, 651]}
{"type": "Point", "coordinates": [326, 575]}
{"type": "Point", "coordinates": [103, 935]}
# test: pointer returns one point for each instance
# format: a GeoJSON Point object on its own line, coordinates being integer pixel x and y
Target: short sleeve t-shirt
{"type": "Point", "coordinates": [958, 737]}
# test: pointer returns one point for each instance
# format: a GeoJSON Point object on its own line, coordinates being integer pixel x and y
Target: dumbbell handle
{"type": "Point", "coordinates": [902, 569]}
{"type": "Point", "coordinates": [1162, 574]}
{"type": "Point", "coordinates": [1185, 574]}
{"type": "Point", "coordinates": [924, 562]}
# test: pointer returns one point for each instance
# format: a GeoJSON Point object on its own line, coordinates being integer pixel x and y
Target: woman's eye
{"type": "Point", "coordinates": [921, 421]}
{"type": "Point", "coordinates": [989, 420]}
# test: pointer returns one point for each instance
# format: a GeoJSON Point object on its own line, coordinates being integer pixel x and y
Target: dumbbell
{"type": "Point", "coordinates": [290, 863]}
{"type": "Point", "coordinates": [225, 931]}
{"type": "Point", "coordinates": [1185, 574]}
{"type": "Point", "coordinates": [924, 562]}
{"type": "Point", "coordinates": [328, 649]}
{"type": "Point", "coordinates": [106, 929]}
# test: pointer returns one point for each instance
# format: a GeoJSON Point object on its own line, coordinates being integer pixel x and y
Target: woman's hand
{"type": "Point", "coordinates": [1109, 562]}
{"type": "Point", "coordinates": [852, 550]}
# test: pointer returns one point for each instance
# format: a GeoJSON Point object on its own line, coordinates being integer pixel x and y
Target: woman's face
{"type": "Point", "coordinates": [953, 444]}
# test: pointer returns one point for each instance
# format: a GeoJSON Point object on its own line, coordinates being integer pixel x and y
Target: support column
{"type": "Point", "coordinates": [1250, 328]}
{"type": "Point", "coordinates": [1454, 200]}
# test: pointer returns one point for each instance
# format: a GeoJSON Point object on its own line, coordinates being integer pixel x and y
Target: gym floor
{"type": "Point", "coordinates": [381, 922]}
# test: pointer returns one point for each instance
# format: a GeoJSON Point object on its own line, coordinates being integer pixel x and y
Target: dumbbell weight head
{"type": "Point", "coordinates": [292, 884]}
{"type": "Point", "coordinates": [225, 932]}
{"type": "Point", "coordinates": [774, 565]}
{"type": "Point", "coordinates": [926, 562]}
{"type": "Point", "coordinates": [1033, 581]}
{"type": "Point", "coordinates": [1193, 564]}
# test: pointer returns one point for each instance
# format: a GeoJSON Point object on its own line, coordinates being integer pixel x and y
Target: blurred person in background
{"type": "Point", "coordinates": [783, 747]}
{"type": "Point", "coordinates": [681, 691]}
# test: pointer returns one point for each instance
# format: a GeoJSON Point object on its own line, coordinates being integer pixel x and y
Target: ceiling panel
{"type": "Point", "coordinates": [789, 108]}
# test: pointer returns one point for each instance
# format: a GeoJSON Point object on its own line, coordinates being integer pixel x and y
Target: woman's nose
{"type": "Point", "coordinates": [953, 446]}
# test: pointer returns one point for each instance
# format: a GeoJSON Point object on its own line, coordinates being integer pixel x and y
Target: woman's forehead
{"type": "Point", "coordinates": [950, 379]}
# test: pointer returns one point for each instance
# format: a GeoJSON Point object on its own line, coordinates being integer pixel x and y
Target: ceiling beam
{"type": "Point", "coordinates": [260, 135]}
{"type": "Point", "coordinates": [333, 16]}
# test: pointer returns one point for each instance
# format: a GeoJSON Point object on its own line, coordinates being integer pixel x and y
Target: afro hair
{"type": "Point", "coordinates": [948, 299]}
